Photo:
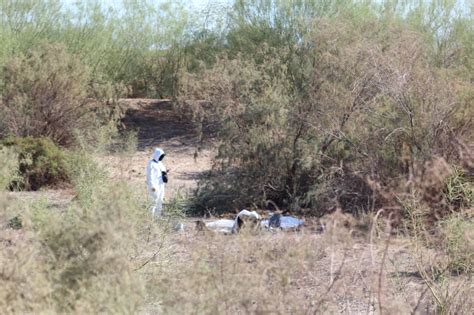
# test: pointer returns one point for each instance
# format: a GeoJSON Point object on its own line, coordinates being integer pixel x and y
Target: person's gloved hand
{"type": "Point", "coordinates": [164, 176]}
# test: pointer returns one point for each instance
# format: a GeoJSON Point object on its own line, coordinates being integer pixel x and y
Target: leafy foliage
{"type": "Point", "coordinates": [46, 93]}
{"type": "Point", "coordinates": [328, 109]}
{"type": "Point", "coordinates": [40, 163]}
{"type": "Point", "coordinates": [102, 38]}
{"type": "Point", "coordinates": [9, 166]}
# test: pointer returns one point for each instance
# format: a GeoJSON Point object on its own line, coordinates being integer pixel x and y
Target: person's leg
{"type": "Point", "coordinates": [159, 200]}
{"type": "Point", "coordinates": [159, 207]}
{"type": "Point", "coordinates": [153, 209]}
{"type": "Point", "coordinates": [154, 205]}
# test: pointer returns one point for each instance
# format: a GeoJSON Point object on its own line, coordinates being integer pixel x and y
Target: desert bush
{"type": "Point", "coordinates": [102, 37]}
{"type": "Point", "coordinates": [158, 74]}
{"type": "Point", "coordinates": [46, 93]}
{"type": "Point", "coordinates": [24, 276]}
{"type": "Point", "coordinates": [88, 178]}
{"type": "Point", "coordinates": [436, 192]}
{"type": "Point", "coordinates": [86, 251]}
{"type": "Point", "coordinates": [442, 254]}
{"type": "Point", "coordinates": [229, 84]}
{"type": "Point", "coordinates": [89, 257]}
{"type": "Point", "coordinates": [40, 163]}
{"type": "Point", "coordinates": [307, 125]}
{"type": "Point", "coordinates": [73, 261]}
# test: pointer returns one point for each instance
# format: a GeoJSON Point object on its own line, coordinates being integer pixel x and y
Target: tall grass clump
{"type": "Point", "coordinates": [9, 168]}
{"type": "Point", "coordinates": [24, 282]}
{"type": "Point", "coordinates": [457, 238]}
{"type": "Point", "coordinates": [442, 255]}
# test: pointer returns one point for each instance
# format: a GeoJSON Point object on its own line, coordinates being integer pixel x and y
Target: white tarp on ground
{"type": "Point", "coordinates": [275, 221]}
{"type": "Point", "coordinates": [283, 222]}
{"type": "Point", "coordinates": [223, 226]}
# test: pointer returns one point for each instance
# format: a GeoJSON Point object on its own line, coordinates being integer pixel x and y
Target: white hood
{"type": "Point", "coordinates": [244, 213]}
{"type": "Point", "coordinates": [157, 154]}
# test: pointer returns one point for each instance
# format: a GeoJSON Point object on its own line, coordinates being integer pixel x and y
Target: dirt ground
{"type": "Point", "coordinates": [320, 273]}
{"type": "Point", "coordinates": [157, 125]}
{"type": "Point", "coordinates": [321, 260]}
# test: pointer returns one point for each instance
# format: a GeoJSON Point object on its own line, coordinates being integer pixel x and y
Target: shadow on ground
{"type": "Point", "coordinates": [155, 123]}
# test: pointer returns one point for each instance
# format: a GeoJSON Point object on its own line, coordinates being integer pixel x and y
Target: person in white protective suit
{"type": "Point", "coordinates": [156, 178]}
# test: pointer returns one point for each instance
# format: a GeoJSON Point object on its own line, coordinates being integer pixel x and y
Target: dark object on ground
{"type": "Point", "coordinates": [282, 222]}
{"type": "Point", "coordinates": [200, 226]}
{"type": "Point", "coordinates": [275, 220]}
{"type": "Point", "coordinates": [15, 223]}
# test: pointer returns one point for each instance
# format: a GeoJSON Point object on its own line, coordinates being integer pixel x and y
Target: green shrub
{"type": "Point", "coordinates": [49, 92]}
{"type": "Point", "coordinates": [312, 123]}
{"type": "Point", "coordinates": [458, 241]}
{"type": "Point", "coordinates": [41, 163]}
{"type": "Point", "coordinates": [8, 167]}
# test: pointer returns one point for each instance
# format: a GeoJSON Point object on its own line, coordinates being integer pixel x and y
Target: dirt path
{"type": "Point", "coordinates": [157, 125]}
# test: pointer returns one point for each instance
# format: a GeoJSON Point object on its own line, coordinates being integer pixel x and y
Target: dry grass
{"type": "Point", "coordinates": [101, 253]}
{"type": "Point", "coordinates": [156, 124]}
{"type": "Point", "coordinates": [304, 273]}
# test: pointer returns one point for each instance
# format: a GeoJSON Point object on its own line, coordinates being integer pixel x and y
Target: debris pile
{"type": "Point", "coordinates": [251, 220]}
{"type": "Point", "coordinates": [278, 221]}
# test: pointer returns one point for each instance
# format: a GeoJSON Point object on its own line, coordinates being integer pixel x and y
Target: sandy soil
{"type": "Point", "coordinates": [157, 125]}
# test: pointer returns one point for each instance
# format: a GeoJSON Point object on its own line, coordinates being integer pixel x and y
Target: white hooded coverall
{"type": "Point", "coordinates": [155, 183]}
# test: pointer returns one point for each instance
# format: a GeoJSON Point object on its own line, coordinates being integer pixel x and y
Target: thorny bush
{"type": "Point", "coordinates": [349, 117]}
{"type": "Point", "coordinates": [41, 163]}
{"type": "Point", "coordinates": [50, 93]}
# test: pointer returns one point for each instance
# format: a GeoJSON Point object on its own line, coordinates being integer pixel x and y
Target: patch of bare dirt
{"type": "Point", "coordinates": [346, 275]}
{"type": "Point", "coordinates": [157, 125]}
